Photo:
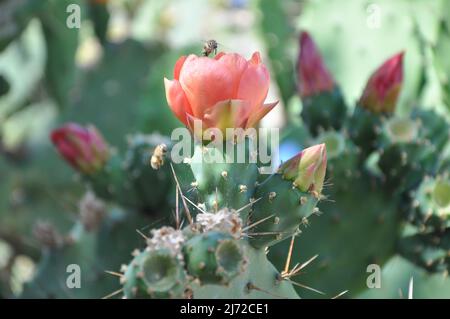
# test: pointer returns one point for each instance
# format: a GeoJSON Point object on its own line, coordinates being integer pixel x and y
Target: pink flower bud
{"type": "Point", "coordinates": [313, 76]}
{"type": "Point", "coordinates": [82, 147]}
{"type": "Point", "coordinates": [307, 169]}
{"type": "Point", "coordinates": [383, 87]}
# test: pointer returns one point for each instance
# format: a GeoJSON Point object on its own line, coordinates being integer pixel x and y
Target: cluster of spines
{"type": "Point", "coordinates": [212, 249]}
{"type": "Point", "coordinates": [271, 206]}
{"type": "Point", "coordinates": [430, 208]}
{"type": "Point", "coordinates": [175, 261]}
{"type": "Point", "coordinates": [280, 210]}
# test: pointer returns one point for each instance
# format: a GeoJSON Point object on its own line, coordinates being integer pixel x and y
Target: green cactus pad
{"type": "Point", "coordinates": [278, 211]}
{"type": "Point", "coordinates": [155, 274]}
{"type": "Point", "coordinates": [434, 128]}
{"type": "Point", "coordinates": [222, 181]}
{"type": "Point", "coordinates": [359, 227]}
{"type": "Point", "coordinates": [431, 204]}
{"type": "Point", "coordinates": [364, 128]}
{"type": "Point", "coordinates": [405, 165]}
{"type": "Point", "coordinates": [342, 155]}
{"type": "Point", "coordinates": [428, 250]}
{"type": "Point", "coordinates": [324, 111]}
{"type": "Point", "coordinates": [260, 280]}
{"type": "Point", "coordinates": [214, 257]}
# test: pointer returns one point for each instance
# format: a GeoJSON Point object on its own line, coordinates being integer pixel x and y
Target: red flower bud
{"type": "Point", "coordinates": [383, 87]}
{"type": "Point", "coordinates": [313, 76]}
{"type": "Point", "coordinates": [82, 147]}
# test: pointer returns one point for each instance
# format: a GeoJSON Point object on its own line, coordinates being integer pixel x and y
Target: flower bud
{"type": "Point", "coordinates": [307, 169]}
{"type": "Point", "coordinates": [382, 89]}
{"type": "Point", "coordinates": [313, 76]}
{"type": "Point", "coordinates": [82, 147]}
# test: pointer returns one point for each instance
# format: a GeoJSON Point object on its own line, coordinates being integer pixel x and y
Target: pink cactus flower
{"type": "Point", "coordinates": [226, 91]}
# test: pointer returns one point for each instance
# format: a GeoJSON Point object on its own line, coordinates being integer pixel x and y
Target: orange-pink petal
{"type": "Point", "coordinates": [178, 65]}
{"type": "Point", "coordinates": [257, 114]}
{"type": "Point", "coordinates": [254, 84]}
{"type": "Point", "coordinates": [255, 59]}
{"type": "Point", "coordinates": [177, 100]}
{"type": "Point", "coordinates": [228, 114]}
{"type": "Point", "coordinates": [219, 55]}
{"type": "Point", "coordinates": [207, 81]}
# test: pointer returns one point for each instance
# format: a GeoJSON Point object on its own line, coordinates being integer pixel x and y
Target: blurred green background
{"type": "Point", "coordinates": [109, 72]}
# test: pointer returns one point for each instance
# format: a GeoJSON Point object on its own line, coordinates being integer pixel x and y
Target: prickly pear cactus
{"type": "Point", "coordinates": [211, 264]}
{"type": "Point", "coordinates": [386, 176]}
{"type": "Point", "coordinates": [221, 251]}
{"type": "Point", "coordinates": [231, 224]}
{"type": "Point", "coordinates": [208, 216]}
{"type": "Point", "coordinates": [212, 225]}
